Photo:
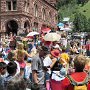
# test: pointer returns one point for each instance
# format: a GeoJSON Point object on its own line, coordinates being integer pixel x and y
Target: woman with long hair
{"type": "Point", "coordinates": [20, 54]}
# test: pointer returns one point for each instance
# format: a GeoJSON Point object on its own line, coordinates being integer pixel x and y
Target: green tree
{"type": "Point", "coordinates": [88, 28]}
{"type": "Point", "coordinates": [76, 23]}
{"type": "Point", "coordinates": [66, 8]}
{"type": "Point", "coordinates": [61, 3]}
{"type": "Point", "coordinates": [80, 23]}
{"type": "Point", "coordinates": [82, 1]}
{"type": "Point", "coordinates": [85, 24]}
{"type": "Point", "coordinates": [60, 16]}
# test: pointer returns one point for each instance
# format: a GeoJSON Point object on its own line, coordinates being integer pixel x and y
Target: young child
{"type": "Point", "coordinates": [78, 76]}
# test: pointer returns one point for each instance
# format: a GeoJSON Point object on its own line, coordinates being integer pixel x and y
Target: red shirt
{"type": "Point", "coordinates": [88, 47]}
{"type": "Point", "coordinates": [77, 76]}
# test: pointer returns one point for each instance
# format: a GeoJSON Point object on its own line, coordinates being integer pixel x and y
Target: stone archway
{"type": "Point", "coordinates": [12, 26]}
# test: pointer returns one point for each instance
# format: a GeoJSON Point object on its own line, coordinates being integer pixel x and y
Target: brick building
{"type": "Point", "coordinates": [27, 15]}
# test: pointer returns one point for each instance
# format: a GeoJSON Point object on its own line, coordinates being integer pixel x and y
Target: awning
{"type": "Point", "coordinates": [46, 30]}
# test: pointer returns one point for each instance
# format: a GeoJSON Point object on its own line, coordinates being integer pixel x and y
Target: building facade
{"type": "Point", "coordinates": [27, 15]}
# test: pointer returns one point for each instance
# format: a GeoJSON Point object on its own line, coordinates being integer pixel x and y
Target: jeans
{"type": "Point", "coordinates": [88, 52]}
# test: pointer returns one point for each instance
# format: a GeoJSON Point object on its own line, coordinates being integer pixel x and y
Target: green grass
{"type": "Point", "coordinates": [85, 9]}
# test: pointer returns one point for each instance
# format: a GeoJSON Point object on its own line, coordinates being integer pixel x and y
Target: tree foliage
{"type": "Point", "coordinates": [61, 3]}
{"type": "Point", "coordinates": [80, 23]}
{"type": "Point", "coordinates": [88, 28]}
{"type": "Point", "coordinates": [70, 8]}
{"type": "Point", "coordinates": [82, 1]}
{"type": "Point", "coordinates": [66, 8]}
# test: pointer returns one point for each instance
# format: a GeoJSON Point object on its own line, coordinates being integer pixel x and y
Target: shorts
{"type": "Point", "coordinates": [22, 64]}
{"type": "Point", "coordinates": [47, 76]}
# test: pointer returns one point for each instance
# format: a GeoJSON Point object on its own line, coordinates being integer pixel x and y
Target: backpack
{"type": "Point", "coordinates": [79, 85]}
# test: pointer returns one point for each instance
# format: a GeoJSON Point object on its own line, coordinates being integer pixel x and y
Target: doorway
{"type": "Point", "coordinates": [12, 26]}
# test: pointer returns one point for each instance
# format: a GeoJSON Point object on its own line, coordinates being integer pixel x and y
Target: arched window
{"type": "Point", "coordinates": [43, 14]}
{"type": "Point", "coordinates": [50, 16]}
{"type": "Point", "coordinates": [12, 26]}
{"type": "Point", "coordinates": [35, 26]}
{"type": "Point", "coordinates": [35, 10]}
{"type": "Point", "coordinates": [55, 18]}
{"type": "Point", "coordinates": [26, 26]}
{"type": "Point", "coordinates": [26, 4]}
{"type": "Point", "coordinates": [11, 5]}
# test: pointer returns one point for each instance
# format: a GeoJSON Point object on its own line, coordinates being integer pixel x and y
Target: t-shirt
{"type": "Point", "coordinates": [88, 47]}
{"type": "Point", "coordinates": [7, 79]}
{"type": "Point", "coordinates": [47, 61]}
{"type": "Point", "coordinates": [37, 64]}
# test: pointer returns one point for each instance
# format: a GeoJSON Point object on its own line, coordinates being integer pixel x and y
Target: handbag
{"type": "Point", "coordinates": [35, 86]}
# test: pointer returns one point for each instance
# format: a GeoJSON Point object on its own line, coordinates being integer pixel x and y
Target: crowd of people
{"type": "Point", "coordinates": [44, 65]}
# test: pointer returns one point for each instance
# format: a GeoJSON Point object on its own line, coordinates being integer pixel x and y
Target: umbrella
{"type": "Point", "coordinates": [46, 30]}
{"type": "Point", "coordinates": [60, 25]}
{"type": "Point", "coordinates": [52, 37]}
{"type": "Point", "coordinates": [32, 34]}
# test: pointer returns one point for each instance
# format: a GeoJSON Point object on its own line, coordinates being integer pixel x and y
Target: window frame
{"type": "Point", "coordinates": [11, 5]}
{"type": "Point", "coordinates": [35, 10]}
{"type": "Point", "coordinates": [27, 4]}
{"type": "Point", "coordinates": [43, 14]}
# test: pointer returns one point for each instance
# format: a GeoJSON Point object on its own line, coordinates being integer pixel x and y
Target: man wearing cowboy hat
{"type": "Point", "coordinates": [37, 67]}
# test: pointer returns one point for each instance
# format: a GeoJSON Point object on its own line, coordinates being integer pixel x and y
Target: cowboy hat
{"type": "Point", "coordinates": [44, 48]}
{"type": "Point", "coordinates": [55, 53]}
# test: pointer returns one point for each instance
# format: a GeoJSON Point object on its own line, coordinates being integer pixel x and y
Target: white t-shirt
{"type": "Point", "coordinates": [47, 61]}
